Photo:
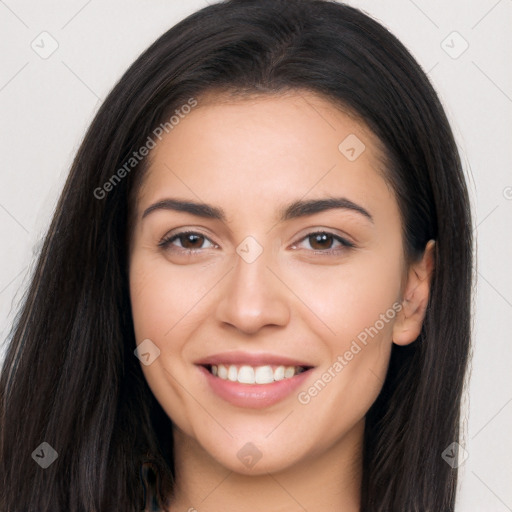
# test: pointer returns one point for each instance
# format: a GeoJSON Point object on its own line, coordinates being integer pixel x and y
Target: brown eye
{"type": "Point", "coordinates": [191, 241]}
{"type": "Point", "coordinates": [322, 241]}
{"type": "Point", "coordinates": [319, 241]}
{"type": "Point", "coordinates": [188, 241]}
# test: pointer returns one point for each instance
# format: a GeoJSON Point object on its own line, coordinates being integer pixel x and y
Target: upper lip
{"type": "Point", "coordinates": [251, 359]}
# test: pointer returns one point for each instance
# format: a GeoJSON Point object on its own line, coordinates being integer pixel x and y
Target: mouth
{"type": "Point", "coordinates": [253, 379]}
{"type": "Point", "coordinates": [247, 374]}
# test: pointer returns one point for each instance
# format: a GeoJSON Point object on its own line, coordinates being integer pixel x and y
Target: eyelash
{"type": "Point", "coordinates": [166, 242]}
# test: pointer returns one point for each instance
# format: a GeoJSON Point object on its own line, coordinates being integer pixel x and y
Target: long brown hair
{"type": "Point", "coordinates": [70, 377]}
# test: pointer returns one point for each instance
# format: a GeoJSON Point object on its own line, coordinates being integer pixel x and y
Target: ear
{"type": "Point", "coordinates": [407, 326]}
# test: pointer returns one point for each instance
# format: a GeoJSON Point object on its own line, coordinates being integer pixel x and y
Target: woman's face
{"type": "Point", "coordinates": [270, 276]}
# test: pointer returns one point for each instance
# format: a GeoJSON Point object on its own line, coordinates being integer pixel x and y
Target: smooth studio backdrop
{"type": "Point", "coordinates": [60, 59]}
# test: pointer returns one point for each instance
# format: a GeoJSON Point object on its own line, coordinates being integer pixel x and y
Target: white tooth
{"type": "Point", "coordinates": [246, 375]}
{"type": "Point", "coordinates": [214, 369]}
{"type": "Point", "coordinates": [233, 373]}
{"type": "Point", "coordinates": [222, 372]}
{"type": "Point", "coordinates": [289, 372]}
{"type": "Point", "coordinates": [279, 373]}
{"type": "Point", "coordinates": [264, 375]}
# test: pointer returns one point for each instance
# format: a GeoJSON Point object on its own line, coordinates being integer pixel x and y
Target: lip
{"type": "Point", "coordinates": [251, 359]}
{"type": "Point", "coordinates": [253, 396]}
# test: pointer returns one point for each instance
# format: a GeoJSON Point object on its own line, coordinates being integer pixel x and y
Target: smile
{"type": "Point", "coordinates": [244, 391]}
{"type": "Point", "coordinates": [245, 374]}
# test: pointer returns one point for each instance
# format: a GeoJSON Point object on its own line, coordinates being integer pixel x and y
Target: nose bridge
{"type": "Point", "coordinates": [253, 297]}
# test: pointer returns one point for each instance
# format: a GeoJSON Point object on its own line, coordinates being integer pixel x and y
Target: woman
{"type": "Point", "coordinates": [255, 290]}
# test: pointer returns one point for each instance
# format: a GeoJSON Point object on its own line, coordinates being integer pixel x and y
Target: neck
{"type": "Point", "coordinates": [327, 482]}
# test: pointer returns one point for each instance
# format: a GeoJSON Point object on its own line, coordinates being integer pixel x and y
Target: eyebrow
{"type": "Point", "coordinates": [292, 211]}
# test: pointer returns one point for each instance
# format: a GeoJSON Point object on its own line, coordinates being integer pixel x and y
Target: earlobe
{"type": "Point", "coordinates": [409, 320]}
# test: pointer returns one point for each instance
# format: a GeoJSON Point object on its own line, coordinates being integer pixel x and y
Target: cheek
{"type": "Point", "coordinates": [162, 296]}
{"type": "Point", "coordinates": [357, 305]}
{"type": "Point", "coordinates": [160, 302]}
{"type": "Point", "coordinates": [148, 298]}
{"type": "Point", "coordinates": [345, 299]}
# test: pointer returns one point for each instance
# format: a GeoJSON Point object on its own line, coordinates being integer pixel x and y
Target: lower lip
{"type": "Point", "coordinates": [254, 396]}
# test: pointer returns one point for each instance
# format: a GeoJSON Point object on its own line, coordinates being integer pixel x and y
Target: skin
{"type": "Point", "coordinates": [251, 157]}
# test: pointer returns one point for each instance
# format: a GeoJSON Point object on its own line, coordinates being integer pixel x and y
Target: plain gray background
{"type": "Point", "coordinates": [47, 104]}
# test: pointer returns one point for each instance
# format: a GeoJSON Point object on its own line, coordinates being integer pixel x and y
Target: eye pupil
{"type": "Point", "coordinates": [320, 238]}
{"type": "Point", "coordinates": [189, 241]}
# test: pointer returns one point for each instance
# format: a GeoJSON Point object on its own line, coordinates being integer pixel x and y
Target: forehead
{"type": "Point", "coordinates": [265, 148]}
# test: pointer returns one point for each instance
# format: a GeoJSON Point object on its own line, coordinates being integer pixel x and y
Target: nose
{"type": "Point", "coordinates": [253, 297]}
